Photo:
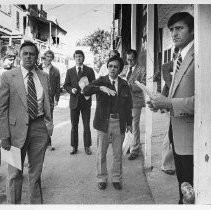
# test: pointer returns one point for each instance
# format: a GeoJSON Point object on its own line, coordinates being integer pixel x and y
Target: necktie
{"type": "Point", "coordinates": [32, 98]}
{"type": "Point", "coordinates": [129, 73]}
{"type": "Point", "coordinates": [113, 84]}
{"type": "Point", "coordinates": [179, 62]}
{"type": "Point", "coordinates": [79, 72]}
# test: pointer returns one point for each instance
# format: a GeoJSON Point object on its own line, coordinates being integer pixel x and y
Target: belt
{"type": "Point", "coordinates": [37, 118]}
{"type": "Point", "coordinates": [114, 116]}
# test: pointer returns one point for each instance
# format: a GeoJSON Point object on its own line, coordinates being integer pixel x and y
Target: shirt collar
{"type": "Point", "coordinates": [48, 67]}
{"type": "Point", "coordinates": [25, 71]}
{"type": "Point", "coordinates": [186, 49]}
{"type": "Point", "coordinates": [111, 80]}
{"type": "Point", "coordinates": [80, 66]}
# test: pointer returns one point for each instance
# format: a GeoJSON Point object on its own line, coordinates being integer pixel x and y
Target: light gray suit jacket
{"type": "Point", "coordinates": [139, 73]}
{"type": "Point", "coordinates": [13, 106]}
{"type": "Point", "coordinates": [182, 94]}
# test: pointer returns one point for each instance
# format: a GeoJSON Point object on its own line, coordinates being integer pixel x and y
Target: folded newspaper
{"type": "Point", "coordinates": [83, 82]}
{"type": "Point", "coordinates": [145, 89]}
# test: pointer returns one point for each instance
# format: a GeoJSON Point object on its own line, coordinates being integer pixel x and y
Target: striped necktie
{"type": "Point", "coordinates": [179, 62]}
{"type": "Point", "coordinates": [32, 97]}
{"type": "Point", "coordinates": [129, 73]}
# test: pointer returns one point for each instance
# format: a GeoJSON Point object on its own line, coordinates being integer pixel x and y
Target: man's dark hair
{"type": "Point", "coordinates": [131, 51]}
{"type": "Point", "coordinates": [182, 16]}
{"type": "Point", "coordinates": [120, 60]}
{"type": "Point", "coordinates": [116, 53]}
{"type": "Point", "coordinates": [49, 52]}
{"type": "Point", "coordinates": [79, 52]}
{"type": "Point", "coordinates": [29, 43]}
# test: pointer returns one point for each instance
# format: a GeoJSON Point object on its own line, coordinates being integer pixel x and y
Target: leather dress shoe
{"type": "Point", "coordinates": [132, 156]}
{"type": "Point", "coordinates": [88, 151]}
{"type": "Point", "coordinates": [74, 151]}
{"type": "Point", "coordinates": [102, 185]}
{"type": "Point", "coordinates": [117, 185]}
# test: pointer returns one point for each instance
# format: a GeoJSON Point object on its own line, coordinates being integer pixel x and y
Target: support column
{"type": "Point", "coordinates": [149, 82]}
{"type": "Point", "coordinates": [49, 34]}
{"type": "Point", "coordinates": [202, 125]}
{"type": "Point", "coordinates": [133, 27]}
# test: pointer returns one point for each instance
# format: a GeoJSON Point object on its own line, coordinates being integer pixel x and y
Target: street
{"type": "Point", "coordinates": [71, 179]}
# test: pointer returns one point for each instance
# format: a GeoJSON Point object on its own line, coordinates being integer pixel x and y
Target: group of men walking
{"type": "Point", "coordinates": [29, 93]}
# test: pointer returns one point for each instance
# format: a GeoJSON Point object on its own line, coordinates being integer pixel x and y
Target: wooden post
{"type": "Point", "coordinates": [202, 125]}
{"type": "Point", "coordinates": [149, 83]}
{"type": "Point", "coordinates": [49, 34]}
{"type": "Point", "coordinates": [133, 27]}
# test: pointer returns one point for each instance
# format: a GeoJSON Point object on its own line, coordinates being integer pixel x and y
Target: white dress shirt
{"type": "Point", "coordinates": [38, 87]}
{"type": "Point", "coordinates": [116, 83]}
{"type": "Point", "coordinates": [129, 70]}
{"type": "Point", "coordinates": [46, 68]}
{"type": "Point", "coordinates": [81, 68]}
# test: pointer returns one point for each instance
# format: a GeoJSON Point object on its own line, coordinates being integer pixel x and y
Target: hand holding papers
{"type": "Point", "coordinates": [107, 91]}
{"type": "Point", "coordinates": [12, 157]}
{"type": "Point", "coordinates": [83, 82]}
{"type": "Point", "coordinates": [145, 89]}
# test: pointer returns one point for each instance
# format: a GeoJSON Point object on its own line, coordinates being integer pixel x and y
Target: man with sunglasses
{"type": "Point", "coordinates": [113, 117]}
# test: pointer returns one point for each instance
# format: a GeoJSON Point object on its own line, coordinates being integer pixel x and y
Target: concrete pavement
{"type": "Point", "coordinates": [68, 179]}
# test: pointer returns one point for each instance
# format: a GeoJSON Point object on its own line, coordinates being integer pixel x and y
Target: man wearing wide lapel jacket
{"type": "Point", "coordinates": [78, 103]}
{"type": "Point", "coordinates": [180, 102]}
{"type": "Point", "coordinates": [23, 126]}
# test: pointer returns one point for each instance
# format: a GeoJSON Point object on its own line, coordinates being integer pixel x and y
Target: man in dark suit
{"type": "Point", "coordinates": [54, 77]}
{"type": "Point", "coordinates": [78, 103]}
{"type": "Point", "coordinates": [180, 101]}
{"type": "Point", "coordinates": [113, 117]}
{"type": "Point", "coordinates": [25, 121]}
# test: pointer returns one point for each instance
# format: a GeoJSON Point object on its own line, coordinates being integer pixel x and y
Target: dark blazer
{"type": "Point", "coordinates": [103, 103]}
{"type": "Point", "coordinates": [54, 77]}
{"type": "Point", "coordinates": [71, 81]}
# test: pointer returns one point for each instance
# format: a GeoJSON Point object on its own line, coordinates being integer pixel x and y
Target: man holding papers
{"type": "Point", "coordinates": [76, 78]}
{"type": "Point", "coordinates": [113, 117]}
{"type": "Point", "coordinates": [180, 101]}
{"type": "Point", "coordinates": [25, 121]}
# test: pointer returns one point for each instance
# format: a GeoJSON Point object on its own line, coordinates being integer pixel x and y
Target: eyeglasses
{"type": "Point", "coordinates": [113, 66]}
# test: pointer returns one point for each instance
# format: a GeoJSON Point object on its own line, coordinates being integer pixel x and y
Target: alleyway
{"type": "Point", "coordinates": [68, 179]}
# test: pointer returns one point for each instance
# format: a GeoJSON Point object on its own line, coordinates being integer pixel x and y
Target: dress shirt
{"type": "Point", "coordinates": [81, 68]}
{"type": "Point", "coordinates": [129, 70]}
{"type": "Point", "coordinates": [46, 68]}
{"type": "Point", "coordinates": [38, 86]}
{"type": "Point", "coordinates": [116, 83]}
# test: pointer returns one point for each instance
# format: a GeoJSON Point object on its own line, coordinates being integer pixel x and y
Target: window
{"type": "Point", "coordinates": [17, 20]}
{"type": "Point", "coordinates": [167, 55]}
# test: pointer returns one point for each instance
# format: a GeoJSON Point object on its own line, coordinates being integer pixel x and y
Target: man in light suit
{"type": "Point", "coordinates": [180, 102]}
{"type": "Point", "coordinates": [78, 103]}
{"type": "Point", "coordinates": [54, 77]}
{"type": "Point", "coordinates": [25, 121]}
{"type": "Point", "coordinates": [132, 72]}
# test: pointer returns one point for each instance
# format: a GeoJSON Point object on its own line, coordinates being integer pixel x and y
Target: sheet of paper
{"type": "Point", "coordinates": [145, 89]}
{"type": "Point", "coordinates": [12, 157]}
{"type": "Point", "coordinates": [83, 83]}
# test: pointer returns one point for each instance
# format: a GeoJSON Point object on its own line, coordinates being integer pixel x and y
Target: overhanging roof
{"type": "Point", "coordinates": [47, 22]}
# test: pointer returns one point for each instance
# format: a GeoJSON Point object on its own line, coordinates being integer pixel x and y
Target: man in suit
{"type": "Point", "coordinates": [54, 77]}
{"type": "Point", "coordinates": [132, 72]}
{"type": "Point", "coordinates": [113, 117]}
{"type": "Point", "coordinates": [25, 121]}
{"type": "Point", "coordinates": [78, 103]}
{"type": "Point", "coordinates": [180, 102]}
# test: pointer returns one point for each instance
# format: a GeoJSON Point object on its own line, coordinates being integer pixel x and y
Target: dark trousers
{"type": "Point", "coordinates": [74, 116]}
{"type": "Point", "coordinates": [183, 165]}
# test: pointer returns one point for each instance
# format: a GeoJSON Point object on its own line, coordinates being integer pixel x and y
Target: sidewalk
{"type": "Point", "coordinates": [164, 187]}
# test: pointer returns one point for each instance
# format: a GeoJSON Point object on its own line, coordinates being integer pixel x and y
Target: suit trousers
{"type": "Point", "coordinates": [117, 139]}
{"type": "Point", "coordinates": [134, 147]}
{"type": "Point", "coordinates": [183, 165]}
{"type": "Point", "coordinates": [35, 147]}
{"type": "Point", "coordinates": [74, 116]}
